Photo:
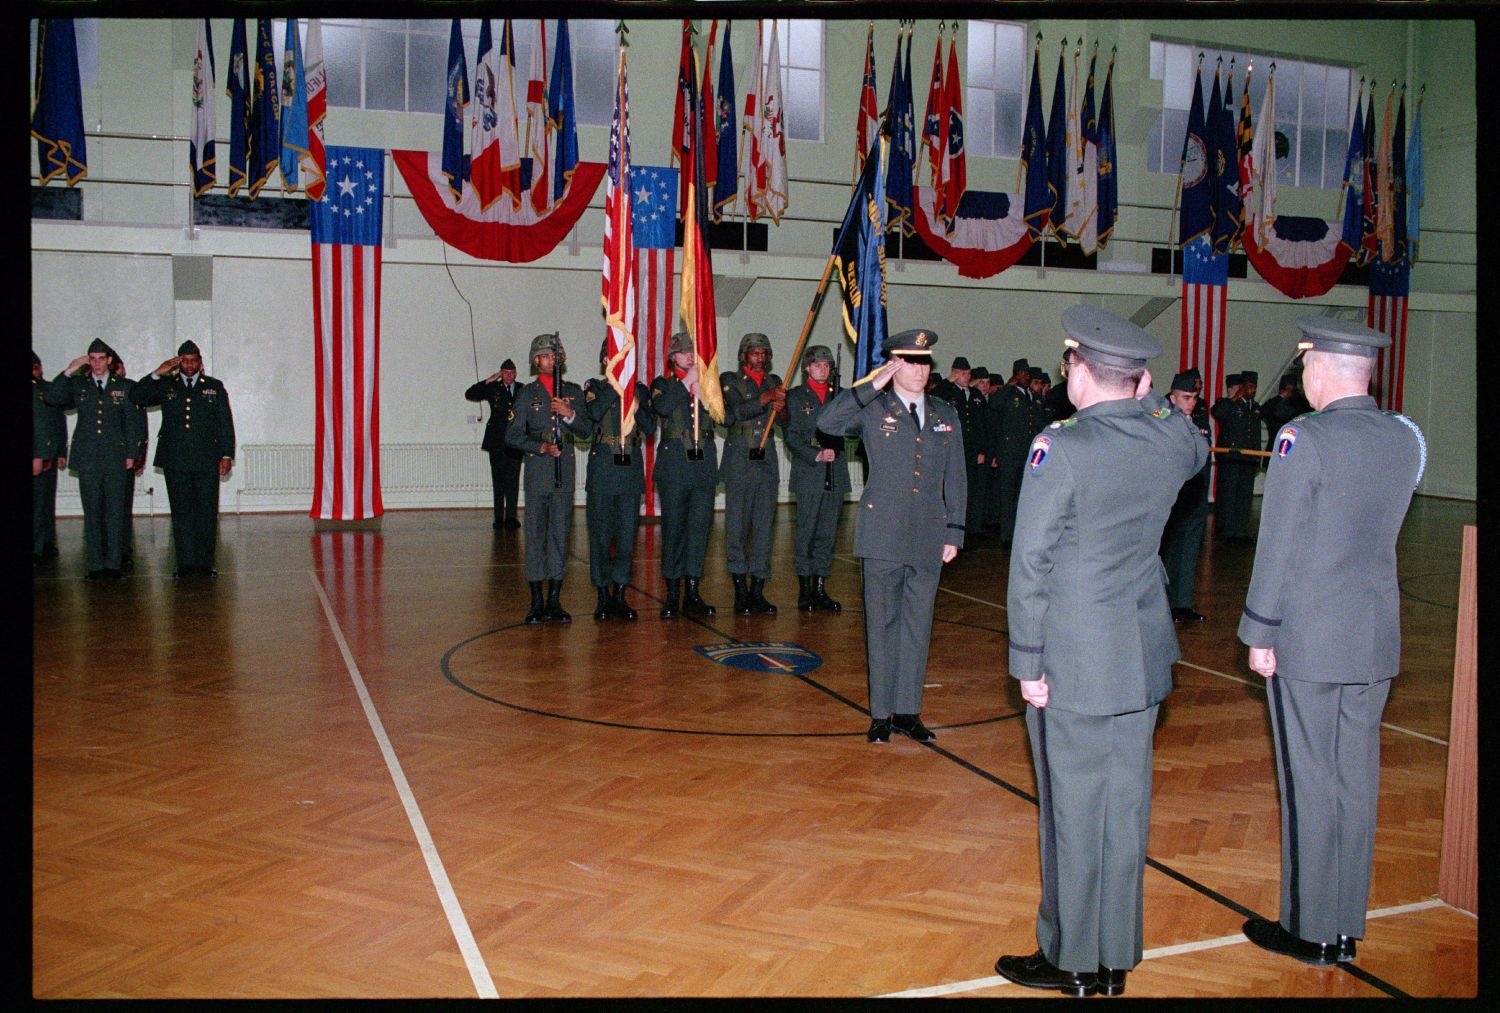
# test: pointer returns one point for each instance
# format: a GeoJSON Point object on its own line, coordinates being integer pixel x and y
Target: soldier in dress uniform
{"type": "Point", "coordinates": [820, 480]}
{"type": "Point", "coordinates": [108, 439]}
{"type": "Point", "coordinates": [910, 521]}
{"type": "Point", "coordinates": [49, 455]}
{"type": "Point", "coordinates": [981, 436]}
{"type": "Point", "coordinates": [754, 398]}
{"type": "Point", "coordinates": [1323, 622]}
{"type": "Point", "coordinates": [686, 476]}
{"type": "Point", "coordinates": [953, 388]}
{"type": "Point", "coordinates": [614, 485]}
{"type": "Point", "coordinates": [545, 419]}
{"type": "Point", "coordinates": [127, 549]}
{"type": "Point", "coordinates": [1281, 409]}
{"type": "Point", "coordinates": [1239, 429]}
{"type": "Point", "coordinates": [499, 391]}
{"type": "Point", "coordinates": [1058, 405]}
{"type": "Point", "coordinates": [1014, 405]}
{"type": "Point", "coordinates": [1041, 412]}
{"type": "Point", "coordinates": [1182, 539]}
{"type": "Point", "coordinates": [195, 448]}
{"type": "Point", "coordinates": [1092, 642]}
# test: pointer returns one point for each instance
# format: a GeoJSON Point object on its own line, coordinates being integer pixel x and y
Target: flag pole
{"type": "Point", "coordinates": [807, 325]}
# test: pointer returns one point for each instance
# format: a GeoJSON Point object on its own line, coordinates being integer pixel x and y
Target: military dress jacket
{"type": "Point", "coordinates": [109, 427]}
{"type": "Point", "coordinates": [1087, 600]}
{"type": "Point", "coordinates": [499, 397]}
{"type": "Point", "coordinates": [602, 405]}
{"type": "Point", "coordinates": [1014, 411]}
{"type": "Point", "coordinates": [532, 423]}
{"type": "Point", "coordinates": [914, 501]}
{"type": "Point", "coordinates": [746, 419]}
{"type": "Point", "coordinates": [1239, 425]}
{"type": "Point", "coordinates": [1323, 591]}
{"type": "Point", "coordinates": [49, 427]}
{"type": "Point", "coordinates": [804, 441]}
{"type": "Point", "coordinates": [673, 405]}
{"type": "Point", "coordinates": [197, 426]}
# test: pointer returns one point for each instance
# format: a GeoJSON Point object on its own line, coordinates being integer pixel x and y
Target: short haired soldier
{"type": "Point", "coordinates": [1092, 642]}
{"type": "Point", "coordinates": [1182, 539]}
{"type": "Point", "coordinates": [1323, 622]}
{"type": "Point", "coordinates": [1239, 429]}
{"type": "Point", "coordinates": [910, 521]}
{"type": "Point", "coordinates": [820, 480]}
{"type": "Point", "coordinates": [545, 420]}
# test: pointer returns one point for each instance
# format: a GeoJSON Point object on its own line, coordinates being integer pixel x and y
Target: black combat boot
{"type": "Point", "coordinates": [741, 595]}
{"type": "Point", "coordinates": [602, 607]}
{"type": "Point", "coordinates": [534, 614]}
{"type": "Point", "coordinates": [554, 611]}
{"type": "Point", "coordinates": [820, 595]}
{"type": "Point", "coordinates": [618, 605]}
{"type": "Point", "coordinates": [670, 607]}
{"type": "Point", "coordinates": [757, 599]}
{"type": "Point", "coordinates": [805, 600]}
{"type": "Point", "coordinates": [692, 603]}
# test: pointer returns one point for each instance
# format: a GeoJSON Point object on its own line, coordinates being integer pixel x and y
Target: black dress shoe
{"type": "Point", "coordinates": [1036, 971]}
{"type": "Point", "coordinates": [1181, 615]}
{"type": "Point", "coordinates": [880, 730]}
{"type": "Point", "coordinates": [1110, 981]}
{"type": "Point", "coordinates": [1269, 935]}
{"type": "Point", "coordinates": [912, 727]}
{"type": "Point", "coordinates": [1346, 949]}
{"type": "Point", "coordinates": [512, 523]}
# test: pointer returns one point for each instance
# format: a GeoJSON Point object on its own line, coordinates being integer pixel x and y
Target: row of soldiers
{"type": "Point", "coordinates": [998, 424]}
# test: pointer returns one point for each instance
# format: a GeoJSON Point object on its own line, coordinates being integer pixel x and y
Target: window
{"type": "Point", "coordinates": [1313, 108]}
{"type": "Point", "coordinates": [995, 96]}
{"type": "Point", "coordinates": [402, 64]}
{"type": "Point", "coordinates": [800, 45]}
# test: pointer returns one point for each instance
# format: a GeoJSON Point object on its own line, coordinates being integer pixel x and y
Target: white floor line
{"type": "Point", "coordinates": [478, 972]}
{"type": "Point", "coordinates": [1260, 684]}
{"type": "Point", "coordinates": [974, 984]}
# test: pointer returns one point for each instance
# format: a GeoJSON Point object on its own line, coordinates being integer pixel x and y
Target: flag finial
{"type": "Point", "coordinates": [622, 30]}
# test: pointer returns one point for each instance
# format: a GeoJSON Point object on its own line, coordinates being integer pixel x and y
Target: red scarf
{"type": "Point", "coordinates": [759, 378]}
{"type": "Point", "coordinates": [549, 384]}
{"type": "Point", "coordinates": [820, 389]}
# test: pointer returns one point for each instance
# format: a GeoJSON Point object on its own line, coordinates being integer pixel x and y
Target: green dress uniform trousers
{"type": "Point", "coordinates": [49, 441]}
{"type": "Point", "coordinates": [613, 491]}
{"type": "Point", "coordinates": [685, 487]}
{"type": "Point", "coordinates": [197, 432]}
{"type": "Point", "coordinates": [548, 481]}
{"type": "Point", "coordinates": [820, 487]}
{"type": "Point", "coordinates": [750, 486]}
{"type": "Point", "coordinates": [109, 431]}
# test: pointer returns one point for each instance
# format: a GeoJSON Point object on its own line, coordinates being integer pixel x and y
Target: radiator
{"type": "Point", "coordinates": [404, 467]}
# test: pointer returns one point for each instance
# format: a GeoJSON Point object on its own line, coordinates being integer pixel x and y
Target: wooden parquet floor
{"type": "Point", "coordinates": [345, 769]}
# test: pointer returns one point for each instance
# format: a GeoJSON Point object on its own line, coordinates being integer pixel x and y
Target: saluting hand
{"type": "Point", "coordinates": [76, 363]}
{"type": "Point", "coordinates": [884, 373]}
{"type": "Point", "coordinates": [167, 367]}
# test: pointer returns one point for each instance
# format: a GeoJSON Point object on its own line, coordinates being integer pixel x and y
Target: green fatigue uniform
{"type": "Point", "coordinates": [505, 460]}
{"type": "Point", "coordinates": [1324, 595]}
{"type": "Point", "coordinates": [613, 490]}
{"type": "Point", "coordinates": [686, 475]}
{"type": "Point", "coordinates": [548, 481]}
{"type": "Point", "coordinates": [1014, 410]}
{"type": "Point", "coordinates": [49, 442]}
{"type": "Point", "coordinates": [109, 430]}
{"type": "Point", "coordinates": [1239, 428]}
{"type": "Point", "coordinates": [820, 488]}
{"type": "Point", "coordinates": [912, 506]}
{"type": "Point", "coordinates": [197, 432]}
{"type": "Point", "coordinates": [750, 486]}
{"type": "Point", "coordinates": [1088, 609]}
{"type": "Point", "coordinates": [1182, 538]}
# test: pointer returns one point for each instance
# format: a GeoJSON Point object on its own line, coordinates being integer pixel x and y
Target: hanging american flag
{"type": "Point", "coordinates": [1205, 303]}
{"type": "Point", "coordinates": [1390, 283]}
{"type": "Point", "coordinates": [653, 226]}
{"type": "Point", "coordinates": [317, 109]}
{"type": "Point", "coordinates": [346, 234]}
{"type": "Point", "coordinates": [618, 295]}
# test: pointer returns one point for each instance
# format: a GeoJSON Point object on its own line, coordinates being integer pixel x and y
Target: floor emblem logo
{"type": "Point", "coordinates": [774, 657]}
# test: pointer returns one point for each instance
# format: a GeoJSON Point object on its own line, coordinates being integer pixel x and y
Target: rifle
{"type": "Point", "coordinates": [557, 372]}
{"type": "Point", "coordinates": [833, 388]}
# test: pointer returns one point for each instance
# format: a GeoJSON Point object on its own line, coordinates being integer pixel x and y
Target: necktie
{"type": "Point", "coordinates": [914, 416]}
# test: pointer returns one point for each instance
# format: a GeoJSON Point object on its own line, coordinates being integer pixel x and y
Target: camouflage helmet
{"type": "Point", "coordinates": [754, 339]}
{"type": "Point", "coordinates": [682, 341]}
{"type": "Point", "coordinates": [544, 343]}
{"type": "Point", "coordinates": [816, 353]}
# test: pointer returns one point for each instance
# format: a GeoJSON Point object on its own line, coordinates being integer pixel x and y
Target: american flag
{"type": "Point", "coordinates": [1205, 302]}
{"type": "Point", "coordinates": [346, 233]}
{"type": "Point", "coordinates": [1390, 282]}
{"type": "Point", "coordinates": [653, 197]}
{"type": "Point", "coordinates": [618, 294]}
{"type": "Point", "coordinates": [317, 109]}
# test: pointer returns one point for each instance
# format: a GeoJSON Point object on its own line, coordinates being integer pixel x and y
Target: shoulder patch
{"type": "Point", "coordinates": [1285, 441]}
{"type": "Point", "coordinates": [1037, 456]}
{"type": "Point", "coordinates": [1162, 413]}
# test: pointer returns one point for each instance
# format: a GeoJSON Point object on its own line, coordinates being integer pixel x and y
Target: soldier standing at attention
{"type": "Point", "coordinates": [753, 400]}
{"type": "Point", "coordinates": [194, 449]}
{"type": "Point", "coordinates": [1323, 623]}
{"type": "Point", "coordinates": [1239, 429]}
{"type": "Point", "coordinates": [127, 547]}
{"type": "Point", "coordinates": [108, 439]}
{"type": "Point", "coordinates": [910, 521]}
{"type": "Point", "coordinates": [979, 450]}
{"type": "Point", "coordinates": [1014, 405]}
{"type": "Point", "coordinates": [1182, 539]}
{"type": "Point", "coordinates": [686, 477]}
{"type": "Point", "coordinates": [820, 481]}
{"type": "Point", "coordinates": [614, 485]}
{"type": "Point", "coordinates": [953, 388]}
{"type": "Point", "coordinates": [49, 455]}
{"type": "Point", "coordinates": [499, 390]}
{"type": "Point", "coordinates": [1092, 642]}
{"type": "Point", "coordinates": [546, 412]}
{"type": "Point", "coordinates": [1281, 409]}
